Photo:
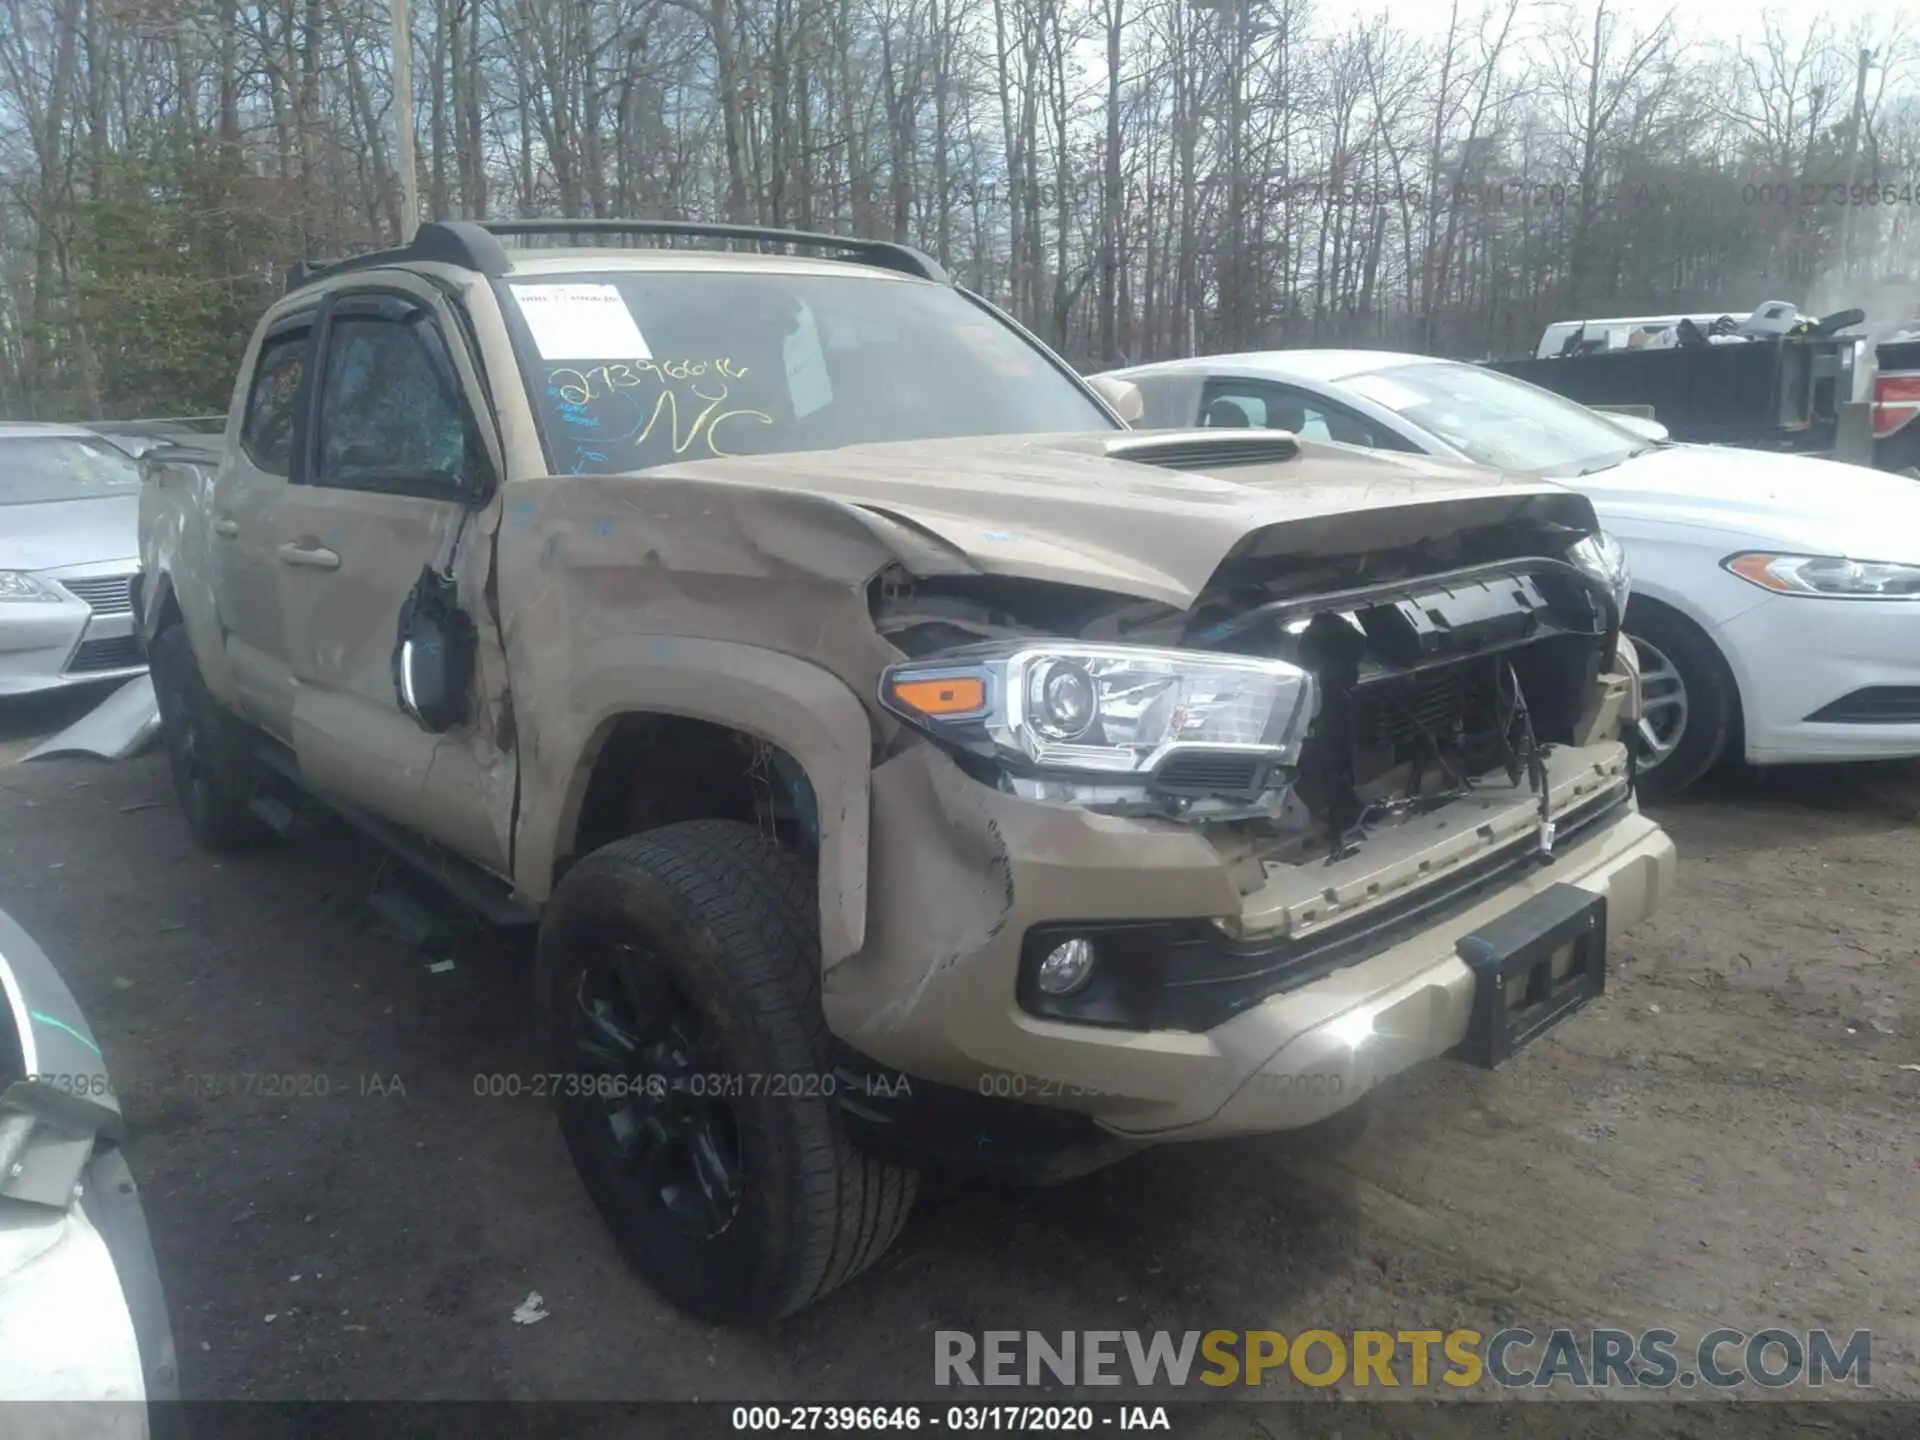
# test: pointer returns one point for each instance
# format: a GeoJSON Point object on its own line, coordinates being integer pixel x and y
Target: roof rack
{"type": "Point", "coordinates": [475, 245]}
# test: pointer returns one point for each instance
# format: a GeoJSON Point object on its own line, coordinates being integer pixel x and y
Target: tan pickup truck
{"type": "Point", "coordinates": [906, 763]}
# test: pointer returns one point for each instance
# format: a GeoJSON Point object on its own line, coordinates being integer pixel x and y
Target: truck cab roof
{"type": "Point", "coordinates": [476, 245]}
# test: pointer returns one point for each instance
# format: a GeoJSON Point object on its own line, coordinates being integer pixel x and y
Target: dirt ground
{"type": "Point", "coordinates": [1727, 1138]}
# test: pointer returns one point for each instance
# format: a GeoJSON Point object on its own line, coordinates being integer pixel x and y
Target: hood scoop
{"type": "Point", "coordinates": [1204, 449]}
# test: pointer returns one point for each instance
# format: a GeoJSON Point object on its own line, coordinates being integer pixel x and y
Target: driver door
{"type": "Point", "coordinates": [399, 472]}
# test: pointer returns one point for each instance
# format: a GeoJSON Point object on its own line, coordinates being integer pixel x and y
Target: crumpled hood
{"type": "Point", "coordinates": [1062, 507]}
{"type": "Point", "coordinates": [50, 535]}
{"type": "Point", "coordinates": [1793, 501]}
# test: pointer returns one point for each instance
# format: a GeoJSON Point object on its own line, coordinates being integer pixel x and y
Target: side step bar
{"type": "Point", "coordinates": [486, 894]}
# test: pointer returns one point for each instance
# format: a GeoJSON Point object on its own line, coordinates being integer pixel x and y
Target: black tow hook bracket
{"type": "Point", "coordinates": [1635, 742]}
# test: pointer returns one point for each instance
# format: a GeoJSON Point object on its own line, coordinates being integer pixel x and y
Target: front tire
{"type": "Point", "coordinates": [679, 978]}
{"type": "Point", "coordinates": [1689, 708]}
{"type": "Point", "coordinates": [206, 750]}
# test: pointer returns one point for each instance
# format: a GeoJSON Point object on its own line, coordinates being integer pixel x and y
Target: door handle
{"type": "Point", "coordinates": [313, 556]}
{"type": "Point", "coordinates": [228, 528]}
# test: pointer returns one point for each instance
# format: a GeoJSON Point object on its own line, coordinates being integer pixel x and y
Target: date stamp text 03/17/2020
{"type": "Point", "coordinates": [961, 1419]}
{"type": "Point", "coordinates": [225, 1084]}
{"type": "Point", "coordinates": [1554, 194]}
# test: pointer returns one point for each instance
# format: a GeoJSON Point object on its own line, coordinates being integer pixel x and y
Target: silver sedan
{"type": "Point", "coordinates": [69, 505]}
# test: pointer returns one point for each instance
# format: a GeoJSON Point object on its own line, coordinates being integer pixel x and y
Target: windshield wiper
{"type": "Point", "coordinates": [1646, 449]}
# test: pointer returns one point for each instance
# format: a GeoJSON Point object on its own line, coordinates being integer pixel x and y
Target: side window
{"type": "Point", "coordinates": [1277, 407]}
{"type": "Point", "coordinates": [266, 430]}
{"type": "Point", "coordinates": [1226, 410]}
{"type": "Point", "coordinates": [391, 413]}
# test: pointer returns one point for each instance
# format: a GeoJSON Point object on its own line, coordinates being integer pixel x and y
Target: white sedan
{"type": "Point", "coordinates": [1775, 599]}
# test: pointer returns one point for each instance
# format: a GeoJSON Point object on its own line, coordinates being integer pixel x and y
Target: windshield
{"type": "Point", "coordinates": [632, 369]}
{"type": "Point", "coordinates": [1495, 420]}
{"type": "Point", "coordinates": [38, 468]}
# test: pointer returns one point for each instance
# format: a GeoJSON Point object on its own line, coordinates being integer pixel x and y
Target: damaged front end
{"type": "Point", "coordinates": [1363, 744]}
{"type": "Point", "coordinates": [1294, 709]}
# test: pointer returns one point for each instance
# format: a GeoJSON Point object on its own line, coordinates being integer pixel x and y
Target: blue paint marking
{"type": "Point", "coordinates": [603, 529]}
{"type": "Point", "coordinates": [1217, 632]}
{"type": "Point", "coordinates": [662, 649]}
{"type": "Point", "coordinates": [51, 1022]}
{"type": "Point", "coordinates": [599, 420]}
{"type": "Point", "coordinates": [999, 535]}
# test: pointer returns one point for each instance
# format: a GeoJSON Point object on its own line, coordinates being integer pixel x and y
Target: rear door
{"type": "Point", "coordinates": [248, 491]}
{"type": "Point", "coordinates": [400, 471]}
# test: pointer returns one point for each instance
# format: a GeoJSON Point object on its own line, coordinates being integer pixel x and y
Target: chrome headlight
{"type": "Point", "coordinates": [1829, 576]}
{"type": "Point", "coordinates": [1112, 724]}
{"type": "Point", "coordinates": [1600, 556]}
{"type": "Point", "coordinates": [19, 585]}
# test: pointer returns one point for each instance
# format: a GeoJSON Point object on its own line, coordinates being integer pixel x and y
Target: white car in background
{"type": "Point", "coordinates": [1775, 599]}
{"type": "Point", "coordinates": [69, 507]}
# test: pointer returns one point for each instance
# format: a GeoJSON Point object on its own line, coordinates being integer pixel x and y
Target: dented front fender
{"type": "Point", "coordinates": [788, 703]}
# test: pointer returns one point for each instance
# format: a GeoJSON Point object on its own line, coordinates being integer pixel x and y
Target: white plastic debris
{"type": "Point", "coordinates": [118, 728]}
{"type": "Point", "coordinates": [440, 967]}
{"type": "Point", "coordinates": [530, 1311]}
{"type": "Point", "coordinates": [272, 1318]}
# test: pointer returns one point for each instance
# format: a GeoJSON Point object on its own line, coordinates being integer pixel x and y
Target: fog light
{"type": "Point", "coordinates": [1068, 966]}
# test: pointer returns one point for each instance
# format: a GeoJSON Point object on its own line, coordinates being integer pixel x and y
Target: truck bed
{"type": "Point", "coordinates": [1785, 394]}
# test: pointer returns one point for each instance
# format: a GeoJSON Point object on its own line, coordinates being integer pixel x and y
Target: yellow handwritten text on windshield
{"type": "Point", "coordinates": [583, 387]}
{"type": "Point", "coordinates": [698, 391]}
{"type": "Point", "coordinates": [705, 425]}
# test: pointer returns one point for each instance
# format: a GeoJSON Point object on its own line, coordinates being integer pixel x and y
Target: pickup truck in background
{"type": "Point", "coordinates": [1769, 384]}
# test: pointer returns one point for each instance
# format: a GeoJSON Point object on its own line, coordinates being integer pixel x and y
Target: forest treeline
{"type": "Point", "coordinates": [1134, 179]}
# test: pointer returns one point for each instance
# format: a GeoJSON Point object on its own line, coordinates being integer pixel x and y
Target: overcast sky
{"type": "Point", "coordinates": [1726, 21]}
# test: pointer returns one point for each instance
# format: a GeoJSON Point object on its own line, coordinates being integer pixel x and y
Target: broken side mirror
{"type": "Point", "coordinates": [433, 654]}
{"type": "Point", "coordinates": [1122, 396]}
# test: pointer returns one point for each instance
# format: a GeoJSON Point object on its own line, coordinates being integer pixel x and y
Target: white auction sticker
{"type": "Point", "coordinates": [581, 322]}
{"type": "Point", "coordinates": [808, 385]}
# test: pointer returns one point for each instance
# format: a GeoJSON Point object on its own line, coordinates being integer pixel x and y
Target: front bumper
{"type": "Point", "coordinates": [1319, 1049]}
{"type": "Point", "coordinates": [52, 644]}
{"type": "Point", "coordinates": [1796, 658]}
{"type": "Point", "coordinates": [962, 873]}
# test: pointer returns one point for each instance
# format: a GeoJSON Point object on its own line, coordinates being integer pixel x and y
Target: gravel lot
{"type": "Point", "coordinates": [1727, 1138]}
